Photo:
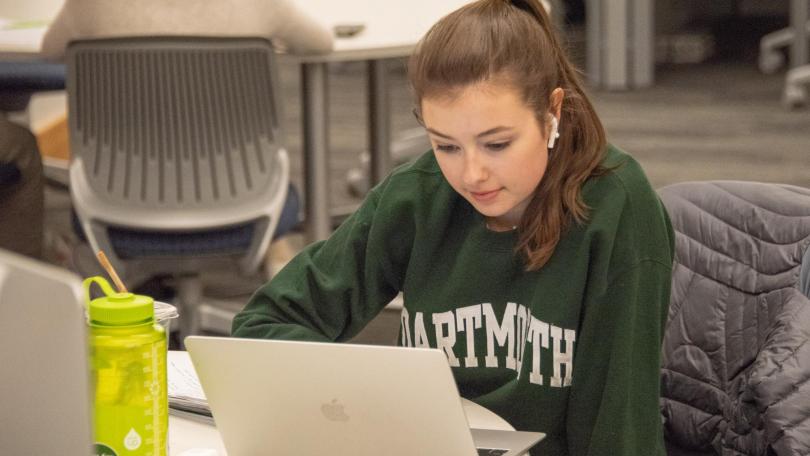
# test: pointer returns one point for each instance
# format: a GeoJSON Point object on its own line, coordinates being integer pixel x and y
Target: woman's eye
{"type": "Point", "coordinates": [446, 147]}
{"type": "Point", "coordinates": [498, 146]}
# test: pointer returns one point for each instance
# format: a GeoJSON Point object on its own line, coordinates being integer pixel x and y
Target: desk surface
{"type": "Point", "coordinates": [390, 29]}
{"type": "Point", "coordinates": [20, 39]}
{"type": "Point", "coordinates": [190, 437]}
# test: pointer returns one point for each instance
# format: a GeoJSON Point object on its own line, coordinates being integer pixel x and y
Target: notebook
{"type": "Point", "coordinates": [44, 387]}
{"type": "Point", "coordinates": [310, 399]}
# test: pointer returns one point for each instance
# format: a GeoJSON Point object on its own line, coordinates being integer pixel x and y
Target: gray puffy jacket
{"type": "Point", "coordinates": [736, 354]}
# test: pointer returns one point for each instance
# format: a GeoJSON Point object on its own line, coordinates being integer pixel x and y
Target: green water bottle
{"type": "Point", "coordinates": [128, 373]}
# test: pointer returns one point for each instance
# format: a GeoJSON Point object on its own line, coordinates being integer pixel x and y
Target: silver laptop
{"type": "Point", "coordinates": [44, 388]}
{"type": "Point", "coordinates": [311, 399]}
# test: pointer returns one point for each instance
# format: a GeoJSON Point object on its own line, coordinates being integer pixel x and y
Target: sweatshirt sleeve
{"type": "Point", "coordinates": [333, 288]}
{"type": "Point", "coordinates": [613, 406]}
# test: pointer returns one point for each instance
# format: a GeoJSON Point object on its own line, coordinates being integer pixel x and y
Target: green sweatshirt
{"type": "Point", "coordinates": [571, 350]}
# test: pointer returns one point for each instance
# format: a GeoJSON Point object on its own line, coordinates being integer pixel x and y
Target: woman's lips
{"type": "Point", "coordinates": [485, 197]}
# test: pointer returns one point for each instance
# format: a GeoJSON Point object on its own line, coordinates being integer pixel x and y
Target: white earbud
{"type": "Point", "coordinates": [552, 137]}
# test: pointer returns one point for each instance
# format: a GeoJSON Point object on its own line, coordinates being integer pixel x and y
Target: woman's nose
{"type": "Point", "coordinates": [474, 169]}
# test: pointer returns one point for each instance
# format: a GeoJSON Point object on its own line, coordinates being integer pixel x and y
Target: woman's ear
{"type": "Point", "coordinates": [555, 101]}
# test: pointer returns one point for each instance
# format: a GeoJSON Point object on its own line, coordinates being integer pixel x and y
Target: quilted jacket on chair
{"type": "Point", "coordinates": [736, 354]}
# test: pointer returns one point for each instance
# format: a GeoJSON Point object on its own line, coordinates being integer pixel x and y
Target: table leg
{"type": "Point", "coordinates": [620, 43]}
{"type": "Point", "coordinates": [798, 76]}
{"type": "Point", "coordinates": [798, 21]}
{"type": "Point", "coordinates": [315, 115]}
{"type": "Point", "coordinates": [643, 72]}
{"type": "Point", "coordinates": [379, 120]}
{"type": "Point", "coordinates": [617, 35]}
{"type": "Point", "coordinates": [593, 41]}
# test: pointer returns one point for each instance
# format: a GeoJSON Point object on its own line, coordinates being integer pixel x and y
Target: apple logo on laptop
{"type": "Point", "coordinates": [334, 411]}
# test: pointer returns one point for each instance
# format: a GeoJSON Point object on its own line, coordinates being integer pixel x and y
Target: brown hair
{"type": "Point", "coordinates": [493, 39]}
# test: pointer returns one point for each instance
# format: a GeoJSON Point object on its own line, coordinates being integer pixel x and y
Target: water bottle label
{"type": "Point", "coordinates": [132, 441]}
{"type": "Point", "coordinates": [99, 449]}
{"type": "Point", "coordinates": [130, 410]}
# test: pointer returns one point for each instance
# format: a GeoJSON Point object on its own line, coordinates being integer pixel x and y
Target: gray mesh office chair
{"type": "Point", "coordinates": [177, 159]}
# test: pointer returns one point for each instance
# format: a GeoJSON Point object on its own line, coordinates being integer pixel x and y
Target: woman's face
{"type": "Point", "coordinates": [490, 148]}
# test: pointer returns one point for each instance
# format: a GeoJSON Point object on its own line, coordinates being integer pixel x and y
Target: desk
{"type": "Point", "coordinates": [20, 42]}
{"type": "Point", "coordinates": [193, 437]}
{"type": "Point", "coordinates": [188, 434]}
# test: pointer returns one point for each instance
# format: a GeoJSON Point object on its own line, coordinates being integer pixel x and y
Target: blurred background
{"type": "Point", "coordinates": [711, 113]}
{"type": "Point", "coordinates": [714, 109]}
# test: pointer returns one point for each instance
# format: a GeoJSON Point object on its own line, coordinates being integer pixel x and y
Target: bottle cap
{"type": "Point", "coordinates": [117, 309]}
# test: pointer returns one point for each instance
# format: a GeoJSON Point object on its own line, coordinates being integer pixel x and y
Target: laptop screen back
{"type": "Point", "coordinates": [307, 399]}
{"type": "Point", "coordinates": [44, 388]}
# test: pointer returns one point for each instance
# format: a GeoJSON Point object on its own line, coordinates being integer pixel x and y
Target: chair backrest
{"type": "Point", "coordinates": [173, 135]}
{"type": "Point", "coordinates": [736, 362]}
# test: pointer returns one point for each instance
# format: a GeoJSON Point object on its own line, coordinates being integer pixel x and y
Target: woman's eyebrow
{"type": "Point", "coordinates": [438, 133]}
{"type": "Point", "coordinates": [491, 131]}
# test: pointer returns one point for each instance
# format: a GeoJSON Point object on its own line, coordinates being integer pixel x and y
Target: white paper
{"type": "Point", "coordinates": [182, 378]}
{"type": "Point", "coordinates": [185, 391]}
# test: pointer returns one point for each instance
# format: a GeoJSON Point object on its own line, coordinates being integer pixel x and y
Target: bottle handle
{"type": "Point", "coordinates": [101, 282]}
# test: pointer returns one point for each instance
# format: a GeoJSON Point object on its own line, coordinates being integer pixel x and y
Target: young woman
{"type": "Point", "coordinates": [534, 254]}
